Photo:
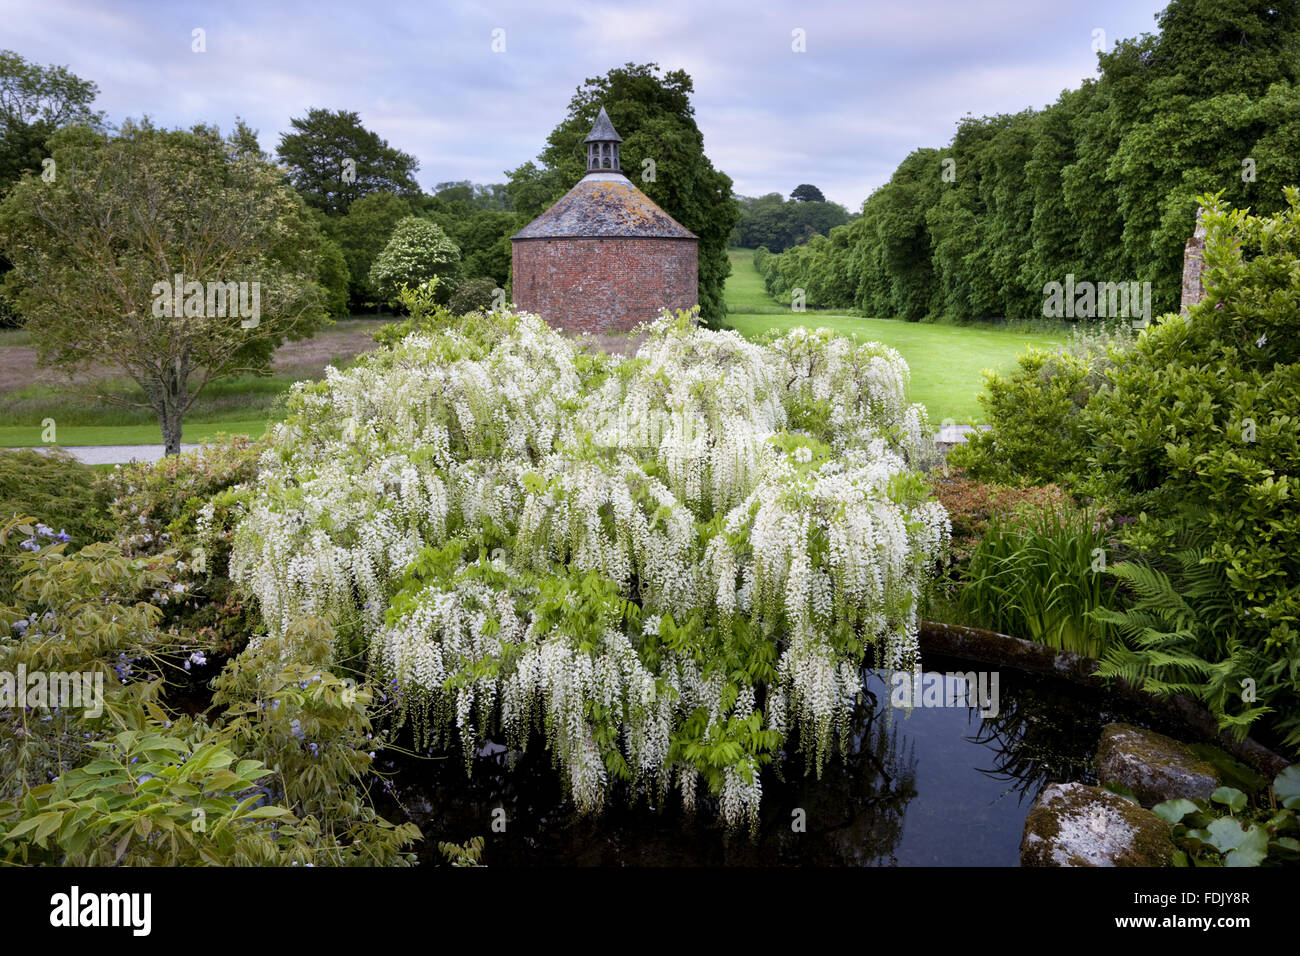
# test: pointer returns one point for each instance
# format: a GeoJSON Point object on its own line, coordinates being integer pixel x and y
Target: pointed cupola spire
{"type": "Point", "coordinates": [602, 145]}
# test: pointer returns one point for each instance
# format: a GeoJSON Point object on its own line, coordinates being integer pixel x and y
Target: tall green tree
{"type": "Point", "coordinates": [652, 111]}
{"type": "Point", "coordinates": [807, 192]}
{"type": "Point", "coordinates": [479, 221]}
{"type": "Point", "coordinates": [98, 250]}
{"type": "Point", "coordinates": [334, 160]}
{"type": "Point", "coordinates": [362, 235]}
{"type": "Point", "coordinates": [493, 196]}
{"type": "Point", "coordinates": [35, 101]}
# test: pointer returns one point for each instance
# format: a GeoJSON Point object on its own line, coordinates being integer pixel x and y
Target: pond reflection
{"type": "Point", "coordinates": [929, 786]}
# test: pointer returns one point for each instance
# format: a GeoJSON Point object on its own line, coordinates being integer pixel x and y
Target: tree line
{"type": "Point", "coordinates": [357, 187]}
{"type": "Point", "coordinates": [776, 223]}
{"type": "Point", "coordinates": [1101, 185]}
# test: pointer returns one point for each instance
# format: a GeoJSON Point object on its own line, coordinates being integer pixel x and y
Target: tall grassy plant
{"type": "Point", "coordinates": [1038, 576]}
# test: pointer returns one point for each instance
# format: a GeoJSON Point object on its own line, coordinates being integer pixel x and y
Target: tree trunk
{"type": "Point", "coordinates": [168, 400]}
{"type": "Point", "coordinates": [170, 420]}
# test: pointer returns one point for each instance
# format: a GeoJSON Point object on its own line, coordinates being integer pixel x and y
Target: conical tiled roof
{"type": "Point", "coordinates": [605, 204]}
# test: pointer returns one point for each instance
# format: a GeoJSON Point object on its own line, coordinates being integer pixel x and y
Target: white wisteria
{"type": "Point", "coordinates": [669, 564]}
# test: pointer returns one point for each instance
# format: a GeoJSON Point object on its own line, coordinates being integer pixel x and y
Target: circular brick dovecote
{"type": "Point", "coordinates": [605, 257]}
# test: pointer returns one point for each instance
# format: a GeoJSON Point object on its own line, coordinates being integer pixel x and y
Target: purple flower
{"type": "Point", "coordinates": [63, 536]}
{"type": "Point", "coordinates": [295, 728]}
{"type": "Point", "coordinates": [30, 545]}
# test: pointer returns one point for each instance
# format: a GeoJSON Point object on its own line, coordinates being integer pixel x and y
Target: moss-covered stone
{"type": "Point", "coordinates": [1152, 766]}
{"type": "Point", "coordinates": [1073, 824]}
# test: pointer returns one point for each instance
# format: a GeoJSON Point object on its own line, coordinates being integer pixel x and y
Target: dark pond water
{"type": "Point", "coordinates": [936, 786]}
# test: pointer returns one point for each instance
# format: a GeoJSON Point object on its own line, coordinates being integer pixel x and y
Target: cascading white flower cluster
{"type": "Point", "coordinates": [758, 490]}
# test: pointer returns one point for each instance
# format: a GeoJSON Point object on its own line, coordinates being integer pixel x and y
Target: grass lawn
{"type": "Point", "coordinates": [745, 292]}
{"type": "Point", "coordinates": [22, 436]}
{"type": "Point", "coordinates": [947, 361]}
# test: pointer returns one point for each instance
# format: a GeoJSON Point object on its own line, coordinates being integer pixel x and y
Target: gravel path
{"type": "Point", "coordinates": [955, 434]}
{"type": "Point", "coordinates": [114, 454]}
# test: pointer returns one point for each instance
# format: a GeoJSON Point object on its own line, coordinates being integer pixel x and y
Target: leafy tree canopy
{"type": "Point", "coordinates": [35, 101]}
{"type": "Point", "coordinates": [362, 234]}
{"type": "Point", "coordinates": [333, 161]}
{"type": "Point", "coordinates": [493, 196]}
{"type": "Point", "coordinates": [777, 224]}
{"type": "Point", "coordinates": [97, 251]}
{"type": "Point", "coordinates": [806, 192]}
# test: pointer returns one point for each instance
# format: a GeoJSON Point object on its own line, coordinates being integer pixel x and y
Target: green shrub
{"type": "Point", "coordinates": [1039, 577]}
{"type": "Point", "coordinates": [152, 799]}
{"type": "Point", "coordinates": [1038, 432]}
{"type": "Point", "coordinates": [1230, 829]}
{"type": "Point", "coordinates": [416, 252]}
{"type": "Point", "coordinates": [9, 317]}
{"type": "Point", "coordinates": [1190, 427]}
{"type": "Point", "coordinates": [472, 296]}
{"type": "Point", "coordinates": [177, 505]}
{"type": "Point", "coordinates": [1197, 431]}
{"type": "Point", "coordinates": [424, 314]}
{"type": "Point", "coordinates": [286, 710]}
{"type": "Point", "coordinates": [332, 274]}
{"type": "Point", "coordinates": [131, 781]}
{"type": "Point", "coordinates": [75, 613]}
{"type": "Point", "coordinates": [469, 853]}
{"type": "Point", "coordinates": [1182, 635]}
{"type": "Point", "coordinates": [58, 490]}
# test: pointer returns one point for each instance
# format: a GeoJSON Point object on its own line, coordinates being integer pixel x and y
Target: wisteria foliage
{"type": "Point", "coordinates": [669, 564]}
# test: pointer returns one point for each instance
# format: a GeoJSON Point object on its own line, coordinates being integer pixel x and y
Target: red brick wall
{"type": "Point", "coordinates": [603, 285]}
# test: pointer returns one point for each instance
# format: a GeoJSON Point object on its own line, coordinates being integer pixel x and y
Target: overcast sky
{"type": "Point", "coordinates": [876, 81]}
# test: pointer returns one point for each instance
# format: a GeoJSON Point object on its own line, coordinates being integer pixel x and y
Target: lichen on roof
{"type": "Point", "coordinates": [605, 204]}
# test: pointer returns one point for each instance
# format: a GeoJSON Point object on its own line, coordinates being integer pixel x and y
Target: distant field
{"type": "Point", "coordinates": [947, 361]}
{"type": "Point", "coordinates": [241, 406]}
